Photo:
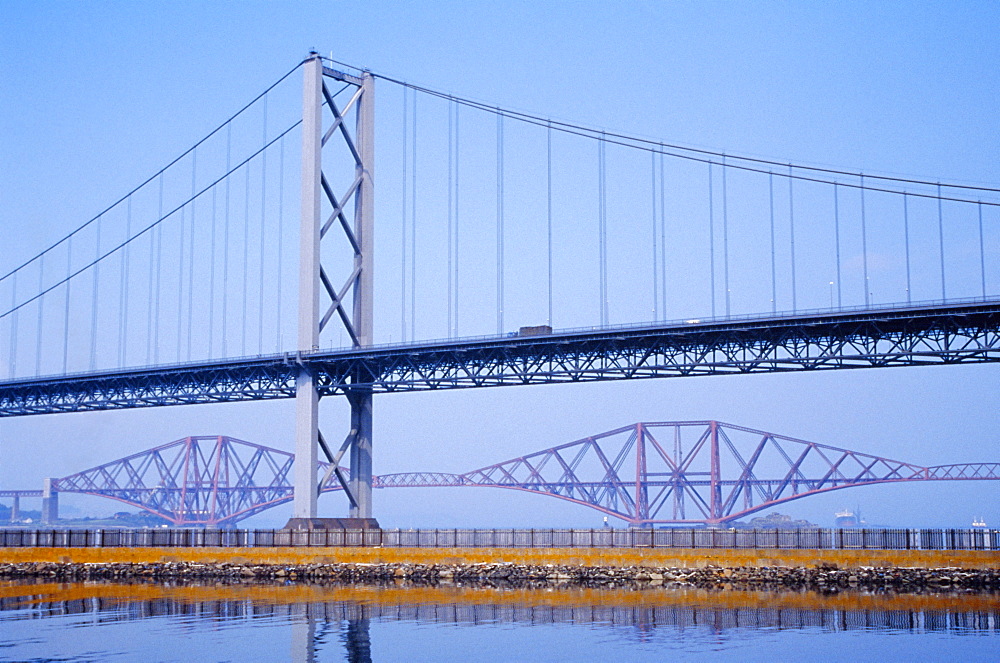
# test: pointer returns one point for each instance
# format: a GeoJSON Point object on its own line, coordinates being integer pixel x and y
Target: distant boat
{"type": "Point", "coordinates": [846, 518]}
{"type": "Point", "coordinates": [979, 522]}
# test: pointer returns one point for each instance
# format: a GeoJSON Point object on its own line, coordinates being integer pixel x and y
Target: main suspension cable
{"type": "Point", "coordinates": [695, 154]}
{"type": "Point", "coordinates": [127, 242]}
{"type": "Point", "coordinates": [152, 177]}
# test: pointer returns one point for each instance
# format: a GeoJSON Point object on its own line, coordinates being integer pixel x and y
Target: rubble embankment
{"type": "Point", "coordinates": [824, 578]}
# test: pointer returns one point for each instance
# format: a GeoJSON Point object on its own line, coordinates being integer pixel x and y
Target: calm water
{"type": "Point", "coordinates": [161, 622]}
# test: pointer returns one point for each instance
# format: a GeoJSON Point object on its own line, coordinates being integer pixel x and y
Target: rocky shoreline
{"type": "Point", "coordinates": [825, 579]}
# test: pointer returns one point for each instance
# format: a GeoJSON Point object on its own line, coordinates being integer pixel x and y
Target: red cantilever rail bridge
{"type": "Point", "coordinates": [681, 472]}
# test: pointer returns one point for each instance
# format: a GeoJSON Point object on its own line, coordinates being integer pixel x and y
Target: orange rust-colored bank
{"type": "Point", "coordinates": [615, 557]}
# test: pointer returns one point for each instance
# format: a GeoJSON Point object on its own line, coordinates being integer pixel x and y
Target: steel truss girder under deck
{"type": "Point", "coordinates": [924, 336]}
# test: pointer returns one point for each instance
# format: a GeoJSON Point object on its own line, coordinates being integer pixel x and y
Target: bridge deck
{"type": "Point", "coordinates": [934, 334]}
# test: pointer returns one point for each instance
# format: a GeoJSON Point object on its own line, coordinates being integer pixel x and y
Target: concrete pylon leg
{"type": "Point", "coordinates": [306, 438]}
{"type": "Point", "coordinates": [361, 454]}
{"type": "Point", "coordinates": [306, 396]}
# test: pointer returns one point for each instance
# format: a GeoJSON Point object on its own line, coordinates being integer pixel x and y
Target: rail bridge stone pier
{"type": "Point", "coordinates": [50, 502]}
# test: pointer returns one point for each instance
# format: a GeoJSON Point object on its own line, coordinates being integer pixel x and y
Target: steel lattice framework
{"type": "Point", "coordinates": [935, 335]}
{"type": "Point", "coordinates": [691, 472]}
{"type": "Point", "coordinates": [204, 480]}
{"type": "Point", "coordinates": [659, 472]}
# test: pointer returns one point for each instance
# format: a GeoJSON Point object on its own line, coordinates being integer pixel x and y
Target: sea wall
{"type": "Point", "coordinates": [823, 579]}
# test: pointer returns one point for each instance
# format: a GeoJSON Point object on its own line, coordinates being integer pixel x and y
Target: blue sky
{"type": "Point", "coordinates": [100, 95]}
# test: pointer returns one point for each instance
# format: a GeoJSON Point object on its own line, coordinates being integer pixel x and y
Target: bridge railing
{"type": "Point", "coordinates": [822, 539]}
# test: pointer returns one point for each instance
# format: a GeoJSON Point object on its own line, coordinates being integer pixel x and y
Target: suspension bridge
{"type": "Point", "coordinates": [643, 258]}
{"type": "Point", "coordinates": [690, 472]}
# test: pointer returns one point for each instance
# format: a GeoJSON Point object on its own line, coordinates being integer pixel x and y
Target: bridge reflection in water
{"type": "Point", "coordinates": [321, 614]}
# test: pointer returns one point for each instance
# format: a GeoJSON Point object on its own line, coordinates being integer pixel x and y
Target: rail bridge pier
{"type": "Point", "coordinates": [50, 502]}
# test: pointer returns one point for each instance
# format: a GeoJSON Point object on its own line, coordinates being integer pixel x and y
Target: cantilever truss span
{"type": "Point", "coordinates": [203, 480]}
{"type": "Point", "coordinates": [692, 472]}
{"type": "Point", "coordinates": [659, 472]}
{"type": "Point", "coordinates": [944, 334]}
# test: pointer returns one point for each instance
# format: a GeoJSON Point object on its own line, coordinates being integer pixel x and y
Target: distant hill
{"type": "Point", "coordinates": [775, 520]}
{"type": "Point", "coordinates": [121, 519]}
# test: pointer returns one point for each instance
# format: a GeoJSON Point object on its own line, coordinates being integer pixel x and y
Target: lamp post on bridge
{"type": "Point", "coordinates": [315, 284]}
